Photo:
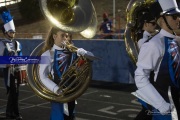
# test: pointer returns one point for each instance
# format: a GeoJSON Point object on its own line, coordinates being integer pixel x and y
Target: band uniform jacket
{"type": "Point", "coordinates": [155, 57]}
{"type": "Point", "coordinates": [9, 48]}
{"type": "Point", "coordinates": [46, 69]}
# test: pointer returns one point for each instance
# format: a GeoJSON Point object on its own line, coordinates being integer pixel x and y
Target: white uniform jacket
{"type": "Point", "coordinates": [149, 59]}
{"type": "Point", "coordinates": [10, 45]}
{"type": "Point", "coordinates": [46, 69]}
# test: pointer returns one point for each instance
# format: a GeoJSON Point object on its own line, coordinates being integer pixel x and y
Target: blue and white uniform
{"type": "Point", "coordinates": [58, 61]}
{"type": "Point", "coordinates": [11, 48]}
{"type": "Point", "coordinates": [156, 71]}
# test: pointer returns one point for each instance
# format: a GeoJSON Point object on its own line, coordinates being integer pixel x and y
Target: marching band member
{"type": "Point", "coordinates": [54, 50]}
{"type": "Point", "coordinates": [157, 75]}
{"type": "Point", "coordinates": [10, 47]}
{"type": "Point", "coordinates": [147, 27]}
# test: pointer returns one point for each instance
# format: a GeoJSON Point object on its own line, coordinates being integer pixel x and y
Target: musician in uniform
{"type": "Point", "coordinates": [157, 75]}
{"type": "Point", "coordinates": [58, 60]}
{"type": "Point", "coordinates": [147, 27]}
{"type": "Point", "coordinates": [10, 47]}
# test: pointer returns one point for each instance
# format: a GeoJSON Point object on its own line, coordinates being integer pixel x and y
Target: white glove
{"type": "Point", "coordinates": [89, 53]}
{"type": "Point", "coordinates": [59, 91]}
{"type": "Point", "coordinates": [81, 51]}
{"type": "Point", "coordinates": [165, 108]}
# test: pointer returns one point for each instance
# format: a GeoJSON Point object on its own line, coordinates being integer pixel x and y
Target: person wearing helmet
{"type": "Point", "coordinates": [157, 76]}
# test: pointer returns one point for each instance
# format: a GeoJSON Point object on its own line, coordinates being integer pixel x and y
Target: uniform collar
{"type": "Point", "coordinates": [9, 40]}
{"type": "Point", "coordinates": [146, 34]}
{"type": "Point", "coordinates": [55, 47]}
{"type": "Point", "coordinates": [167, 34]}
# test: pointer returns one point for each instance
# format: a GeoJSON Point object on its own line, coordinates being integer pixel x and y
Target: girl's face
{"type": "Point", "coordinates": [151, 26]}
{"type": "Point", "coordinates": [59, 37]}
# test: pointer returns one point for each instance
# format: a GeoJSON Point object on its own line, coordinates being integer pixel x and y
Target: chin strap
{"type": "Point", "coordinates": [167, 23]}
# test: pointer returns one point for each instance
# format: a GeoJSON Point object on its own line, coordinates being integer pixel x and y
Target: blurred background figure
{"type": "Point", "coordinates": [106, 27]}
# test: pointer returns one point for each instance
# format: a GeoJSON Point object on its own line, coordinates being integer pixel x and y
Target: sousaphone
{"type": "Point", "coordinates": [72, 16]}
{"type": "Point", "coordinates": [134, 7]}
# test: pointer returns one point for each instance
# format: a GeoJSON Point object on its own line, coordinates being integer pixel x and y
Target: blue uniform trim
{"type": "Point", "coordinates": [170, 63]}
{"type": "Point", "coordinates": [7, 53]}
{"type": "Point", "coordinates": [57, 111]}
{"type": "Point", "coordinates": [62, 60]}
{"type": "Point", "coordinates": [158, 116]}
{"type": "Point", "coordinates": [56, 64]}
{"type": "Point", "coordinates": [143, 103]}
